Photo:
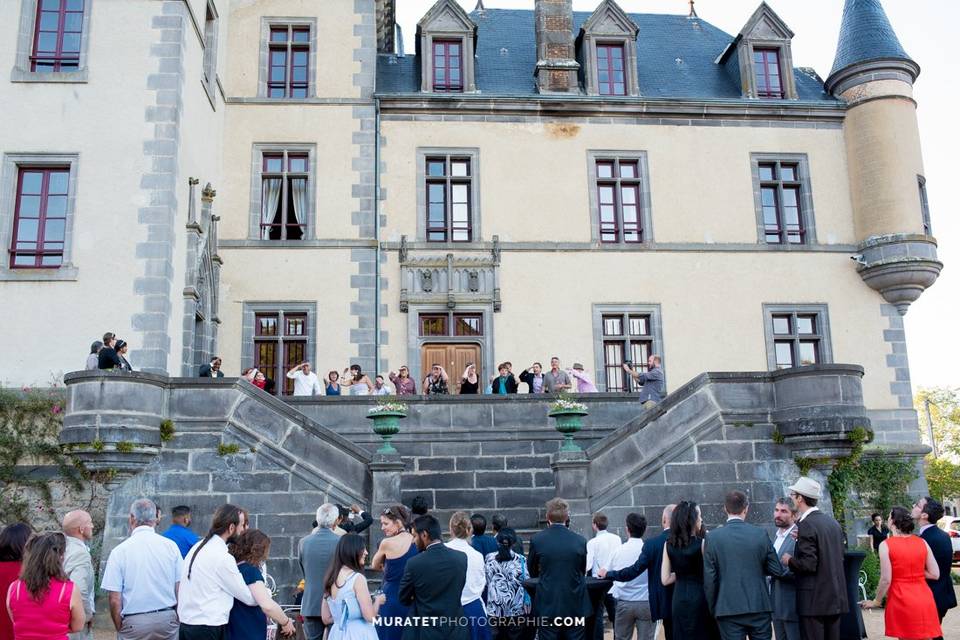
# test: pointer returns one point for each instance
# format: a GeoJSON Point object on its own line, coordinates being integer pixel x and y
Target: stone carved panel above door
{"type": "Point", "coordinates": [450, 280]}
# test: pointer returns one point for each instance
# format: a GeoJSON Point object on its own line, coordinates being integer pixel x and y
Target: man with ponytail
{"type": "Point", "coordinates": [211, 580]}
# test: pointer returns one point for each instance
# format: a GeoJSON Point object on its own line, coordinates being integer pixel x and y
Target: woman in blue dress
{"type": "Point", "coordinates": [250, 623]}
{"type": "Point", "coordinates": [332, 384]}
{"type": "Point", "coordinates": [391, 557]}
{"type": "Point", "coordinates": [347, 604]}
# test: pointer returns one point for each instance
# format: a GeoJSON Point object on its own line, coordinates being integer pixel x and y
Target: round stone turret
{"type": "Point", "coordinates": [875, 76]}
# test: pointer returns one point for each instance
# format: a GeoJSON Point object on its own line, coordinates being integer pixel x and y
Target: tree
{"type": "Point", "coordinates": [943, 472]}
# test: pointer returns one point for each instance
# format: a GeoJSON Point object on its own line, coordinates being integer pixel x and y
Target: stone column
{"type": "Point", "coordinates": [386, 471]}
{"type": "Point", "coordinates": [570, 471]}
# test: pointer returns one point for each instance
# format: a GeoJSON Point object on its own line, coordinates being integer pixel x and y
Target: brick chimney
{"type": "Point", "coordinates": [557, 66]}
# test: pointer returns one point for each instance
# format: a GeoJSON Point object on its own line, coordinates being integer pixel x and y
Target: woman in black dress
{"type": "Point", "coordinates": [470, 382]}
{"type": "Point", "coordinates": [683, 566]}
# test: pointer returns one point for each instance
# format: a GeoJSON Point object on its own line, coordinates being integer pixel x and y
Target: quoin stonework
{"type": "Point", "coordinates": [290, 180]}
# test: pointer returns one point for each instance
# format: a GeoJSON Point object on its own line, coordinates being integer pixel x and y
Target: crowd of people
{"type": "Point", "coordinates": [110, 353]}
{"type": "Point", "coordinates": [731, 582]}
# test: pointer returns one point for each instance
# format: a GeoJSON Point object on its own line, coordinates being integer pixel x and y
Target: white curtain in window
{"type": "Point", "coordinates": [298, 187]}
{"type": "Point", "coordinates": [268, 208]}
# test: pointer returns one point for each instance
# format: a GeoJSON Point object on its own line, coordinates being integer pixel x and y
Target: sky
{"type": "Point", "coordinates": [926, 29]}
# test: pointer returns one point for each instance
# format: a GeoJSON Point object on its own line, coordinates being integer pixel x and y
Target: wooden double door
{"type": "Point", "coordinates": [452, 357]}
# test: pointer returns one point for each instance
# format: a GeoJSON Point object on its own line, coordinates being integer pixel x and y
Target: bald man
{"type": "Point", "coordinates": [78, 528]}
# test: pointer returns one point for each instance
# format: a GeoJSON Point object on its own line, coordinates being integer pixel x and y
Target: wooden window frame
{"type": "Point", "coordinates": [449, 229]}
{"type": "Point", "coordinates": [289, 46]}
{"type": "Point", "coordinates": [446, 86]}
{"type": "Point", "coordinates": [763, 88]}
{"type": "Point", "coordinates": [40, 251]}
{"type": "Point", "coordinates": [285, 175]}
{"type": "Point", "coordinates": [782, 230]}
{"type": "Point", "coordinates": [626, 343]}
{"type": "Point", "coordinates": [793, 338]}
{"type": "Point", "coordinates": [60, 61]}
{"type": "Point", "coordinates": [608, 88]}
{"type": "Point", "coordinates": [618, 183]}
{"type": "Point", "coordinates": [451, 328]}
{"type": "Point", "coordinates": [283, 345]}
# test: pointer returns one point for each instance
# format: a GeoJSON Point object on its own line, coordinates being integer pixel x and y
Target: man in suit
{"type": "Point", "coordinates": [926, 513]}
{"type": "Point", "coordinates": [212, 370]}
{"type": "Point", "coordinates": [818, 565]}
{"type": "Point", "coordinates": [737, 559]}
{"type": "Point", "coordinates": [432, 583]}
{"type": "Point", "coordinates": [786, 625]}
{"type": "Point", "coordinates": [558, 557]}
{"type": "Point", "coordinates": [650, 560]}
{"type": "Point", "coordinates": [316, 550]}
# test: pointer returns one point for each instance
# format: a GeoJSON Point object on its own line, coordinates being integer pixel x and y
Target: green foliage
{"type": "Point", "coordinates": [955, 577]}
{"type": "Point", "coordinates": [124, 447]}
{"type": "Point", "coordinates": [777, 437]}
{"type": "Point", "coordinates": [943, 478]}
{"type": "Point", "coordinates": [97, 445]}
{"type": "Point", "coordinates": [227, 449]}
{"type": "Point", "coordinates": [167, 430]}
{"type": "Point", "coordinates": [945, 415]}
{"type": "Point", "coordinates": [871, 566]}
{"type": "Point", "coordinates": [30, 423]}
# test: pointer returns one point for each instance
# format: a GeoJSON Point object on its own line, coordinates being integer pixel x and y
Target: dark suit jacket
{"type": "Point", "coordinates": [818, 564]}
{"type": "Point", "coordinates": [315, 553]}
{"type": "Point", "coordinates": [357, 527]}
{"type": "Point", "coordinates": [942, 547]}
{"type": "Point", "coordinates": [650, 560]}
{"type": "Point", "coordinates": [206, 371]}
{"type": "Point", "coordinates": [736, 562]}
{"type": "Point", "coordinates": [108, 359]}
{"type": "Point", "coordinates": [432, 583]}
{"type": "Point", "coordinates": [558, 557]}
{"type": "Point", "coordinates": [526, 376]}
{"type": "Point", "coordinates": [784, 588]}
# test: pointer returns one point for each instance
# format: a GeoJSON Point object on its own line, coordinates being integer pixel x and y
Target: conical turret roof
{"type": "Point", "coordinates": [865, 35]}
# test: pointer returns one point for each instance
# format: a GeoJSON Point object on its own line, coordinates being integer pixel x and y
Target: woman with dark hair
{"type": "Point", "coordinates": [683, 565]}
{"type": "Point", "coordinates": [332, 384]}
{"type": "Point", "coordinates": [212, 580]}
{"type": "Point", "coordinates": [395, 549]}
{"type": "Point", "coordinates": [356, 381]}
{"type": "Point", "coordinates": [906, 563]}
{"type": "Point", "coordinates": [250, 623]}
{"type": "Point", "coordinates": [13, 539]}
{"type": "Point", "coordinates": [121, 347]}
{"type": "Point", "coordinates": [93, 360]}
{"type": "Point", "coordinates": [43, 604]}
{"type": "Point", "coordinates": [878, 531]}
{"type": "Point", "coordinates": [506, 599]}
{"type": "Point", "coordinates": [347, 604]}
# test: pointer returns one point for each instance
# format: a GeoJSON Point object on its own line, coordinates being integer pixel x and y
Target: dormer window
{"type": "Point", "coordinates": [607, 52]}
{"type": "Point", "coordinates": [445, 44]}
{"type": "Point", "coordinates": [760, 58]}
{"type": "Point", "coordinates": [611, 79]}
{"type": "Point", "coordinates": [766, 70]}
{"type": "Point", "coordinates": [448, 66]}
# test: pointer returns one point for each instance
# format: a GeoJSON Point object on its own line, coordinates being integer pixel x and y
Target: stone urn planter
{"type": "Point", "coordinates": [569, 420]}
{"type": "Point", "coordinates": [386, 423]}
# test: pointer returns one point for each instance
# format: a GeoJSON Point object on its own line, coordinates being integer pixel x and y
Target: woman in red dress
{"type": "Point", "coordinates": [906, 562]}
{"type": "Point", "coordinates": [12, 541]}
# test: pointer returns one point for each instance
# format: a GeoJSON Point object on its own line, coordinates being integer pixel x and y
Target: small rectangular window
{"type": "Point", "coordinates": [797, 339]}
{"type": "Point", "coordinates": [780, 200]}
{"type": "Point", "coordinates": [924, 205]}
{"type": "Point", "coordinates": [441, 324]}
{"type": "Point", "coordinates": [611, 78]}
{"type": "Point", "coordinates": [40, 217]}
{"type": "Point", "coordinates": [468, 325]}
{"type": "Point", "coordinates": [619, 200]}
{"type": "Point", "coordinates": [447, 66]}
{"type": "Point", "coordinates": [288, 74]}
{"type": "Point", "coordinates": [766, 67]}
{"type": "Point", "coordinates": [449, 188]}
{"type": "Point", "coordinates": [57, 36]}
{"type": "Point", "coordinates": [285, 182]}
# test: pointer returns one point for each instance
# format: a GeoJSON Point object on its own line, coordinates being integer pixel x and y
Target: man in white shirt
{"type": "Point", "coordinates": [380, 387]}
{"type": "Point", "coordinates": [211, 580]}
{"type": "Point", "coordinates": [78, 530]}
{"type": "Point", "coordinates": [600, 550]}
{"type": "Point", "coordinates": [141, 579]}
{"type": "Point", "coordinates": [305, 382]}
{"type": "Point", "coordinates": [633, 597]}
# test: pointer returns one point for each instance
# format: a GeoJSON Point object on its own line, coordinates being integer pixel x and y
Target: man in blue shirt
{"type": "Point", "coordinates": [180, 531]}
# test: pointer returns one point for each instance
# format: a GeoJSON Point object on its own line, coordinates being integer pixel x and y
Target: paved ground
{"type": "Point", "coordinates": [872, 619]}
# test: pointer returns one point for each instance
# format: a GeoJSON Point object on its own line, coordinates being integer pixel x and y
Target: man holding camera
{"type": "Point", "coordinates": [653, 388]}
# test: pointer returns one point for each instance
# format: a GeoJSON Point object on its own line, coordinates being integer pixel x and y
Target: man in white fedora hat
{"type": "Point", "coordinates": [818, 565]}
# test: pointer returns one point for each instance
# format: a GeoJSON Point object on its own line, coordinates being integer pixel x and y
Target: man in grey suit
{"type": "Point", "coordinates": [315, 554]}
{"type": "Point", "coordinates": [786, 624]}
{"type": "Point", "coordinates": [737, 559]}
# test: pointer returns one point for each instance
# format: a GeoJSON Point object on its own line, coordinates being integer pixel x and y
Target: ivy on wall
{"type": "Point", "coordinates": [30, 423]}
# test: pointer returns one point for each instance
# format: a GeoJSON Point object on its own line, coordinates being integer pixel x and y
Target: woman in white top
{"type": "Point", "coordinates": [460, 531]}
{"type": "Point", "coordinates": [356, 382]}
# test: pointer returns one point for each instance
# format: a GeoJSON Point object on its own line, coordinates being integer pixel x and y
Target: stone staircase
{"type": "Point", "coordinates": [227, 441]}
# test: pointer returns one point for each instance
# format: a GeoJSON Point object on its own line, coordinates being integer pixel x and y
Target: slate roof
{"type": "Point", "coordinates": [676, 58]}
{"type": "Point", "coordinates": [866, 34]}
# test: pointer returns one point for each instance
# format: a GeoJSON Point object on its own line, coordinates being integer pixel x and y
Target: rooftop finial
{"type": "Point", "coordinates": [693, 12]}
{"type": "Point", "coordinates": [479, 7]}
